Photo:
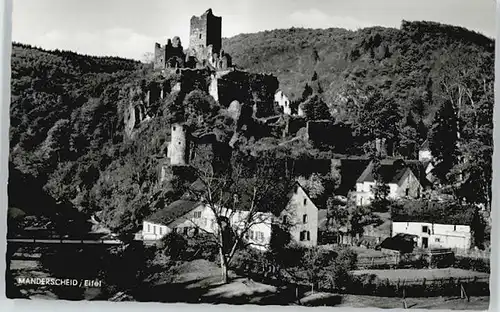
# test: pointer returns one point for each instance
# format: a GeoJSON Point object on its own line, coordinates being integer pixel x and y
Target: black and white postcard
{"type": "Point", "coordinates": [268, 152]}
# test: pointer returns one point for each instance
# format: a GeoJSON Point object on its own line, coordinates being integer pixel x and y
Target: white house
{"type": "Point", "coordinates": [431, 235]}
{"type": "Point", "coordinates": [189, 218]}
{"type": "Point", "coordinates": [301, 214]}
{"type": "Point", "coordinates": [282, 100]}
{"type": "Point", "coordinates": [176, 216]}
{"type": "Point", "coordinates": [396, 174]}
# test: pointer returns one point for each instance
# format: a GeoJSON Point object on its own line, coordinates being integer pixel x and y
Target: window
{"type": "Point", "coordinates": [304, 218]}
{"type": "Point", "coordinates": [437, 240]}
{"type": "Point", "coordinates": [251, 234]}
{"type": "Point", "coordinates": [305, 201]}
{"type": "Point", "coordinates": [418, 193]}
{"type": "Point", "coordinates": [454, 228]}
{"type": "Point", "coordinates": [197, 214]}
{"type": "Point", "coordinates": [186, 230]}
{"type": "Point", "coordinates": [259, 236]}
{"type": "Point", "coordinates": [160, 230]}
{"type": "Point", "coordinates": [173, 128]}
{"type": "Point", "coordinates": [149, 228]}
{"type": "Point", "coordinates": [305, 236]}
{"type": "Point", "coordinates": [407, 192]}
{"type": "Point", "coordinates": [154, 229]}
{"type": "Point", "coordinates": [285, 220]}
{"type": "Point", "coordinates": [200, 36]}
{"type": "Point", "coordinates": [425, 229]}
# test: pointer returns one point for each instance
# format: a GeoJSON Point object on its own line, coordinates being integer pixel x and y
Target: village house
{"type": "Point", "coordinates": [178, 217]}
{"type": "Point", "coordinates": [403, 181]}
{"type": "Point", "coordinates": [424, 152]}
{"type": "Point", "coordinates": [190, 218]}
{"type": "Point", "coordinates": [432, 235]}
{"type": "Point", "coordinates": [425, 156]}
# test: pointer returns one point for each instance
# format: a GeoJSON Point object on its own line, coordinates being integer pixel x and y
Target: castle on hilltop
{"type": "Point", "coordinates": [205, 47]}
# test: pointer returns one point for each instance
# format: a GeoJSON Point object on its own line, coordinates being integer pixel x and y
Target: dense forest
{"type": "Point", "coordinates": [67, 111]}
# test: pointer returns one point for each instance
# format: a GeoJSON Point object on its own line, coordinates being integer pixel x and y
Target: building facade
{"type": "Point", "coordinates": [431, 235]}
{"type": "Point", "coordinates": [191, 218]}
{"type": "Point", "coordinates": [301, 216]}
{"type": "Point", "coordinates": [400, 179]}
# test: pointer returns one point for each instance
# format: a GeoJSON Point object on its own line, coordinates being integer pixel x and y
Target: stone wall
{"type": "Point", "coordinates": [160, 57]}
{"type": "Point", "coordinates": [177, 151]}
{"type": "Point", "coordinates": [248, 88]}
{"type": "Point", "coordinates": [206, 30]}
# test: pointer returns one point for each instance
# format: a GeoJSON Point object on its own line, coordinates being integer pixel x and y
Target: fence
{"type": "Point", "coordinates": [369, 262]}
{"type": "Point", "coordinates": [471, 253]}
{"type": "Point", "coordinates": [367, 285]}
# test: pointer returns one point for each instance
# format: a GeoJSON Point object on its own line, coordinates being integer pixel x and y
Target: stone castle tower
{"type": "Point", "coordinates": [206, 35]}
{"type": "Point", "coordinates": [178, 148]}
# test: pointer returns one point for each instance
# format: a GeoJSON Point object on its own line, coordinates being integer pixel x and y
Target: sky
{"type": "Point", "coordinates": [129, 28]}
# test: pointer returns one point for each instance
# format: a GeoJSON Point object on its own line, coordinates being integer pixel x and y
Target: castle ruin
{"type": "Point", "coordinates": [205, 47]}
{"type": "Point", "coordinates": [177, 150]}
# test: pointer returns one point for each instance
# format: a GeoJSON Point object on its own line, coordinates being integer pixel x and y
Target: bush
{"type": "Point", "coordinates": [369, 284]}
{"type": "Point", "coordinates": [173, 245]}
{"type": "Point", "coordinates": [466, 263]}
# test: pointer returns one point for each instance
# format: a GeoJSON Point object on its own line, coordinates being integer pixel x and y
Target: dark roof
{"type": "Point", "coordinates": [392, 171]}
{"type": "Point", "coordinates": [350, 170]}
{"type": "Point", "coordinates": [418, 169]}
{"type": "Point", "coordinates": [172, 212]}
{"type": "Point", "coordinates": [402, 243]}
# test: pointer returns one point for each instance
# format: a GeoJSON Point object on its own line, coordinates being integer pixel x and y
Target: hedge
{"type": "Point", "coordinates": [373, 286]}
{"type": "Point", "coordinates": [473, 264]}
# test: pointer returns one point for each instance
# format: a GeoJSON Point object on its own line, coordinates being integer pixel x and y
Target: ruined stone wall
{"type": "Point", "coordinates": [160, 57]}
{"type": "Point", "coordinates": [248, 88]}
{"type": "Point", "coordinates": [195, 79]}
{"type": "Point", "coordinates": [206, 30]}
{"type": "Point", "coordinates": [337, 137]}
{"type": "Point", "coordinates": [177, 150]}
{"type": "Point", "coordinates": [282, 101]}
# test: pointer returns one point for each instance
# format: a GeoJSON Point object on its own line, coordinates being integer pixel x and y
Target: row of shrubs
{"type": "Point", "coordinates": [373, 286]}
{"type": "Point", "coordinates": [473, 264]}
{"type": "Point", "coordinates": [444, 261]}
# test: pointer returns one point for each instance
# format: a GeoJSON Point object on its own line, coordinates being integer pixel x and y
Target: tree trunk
{"type": "Point", "coordinates": [223, 266]}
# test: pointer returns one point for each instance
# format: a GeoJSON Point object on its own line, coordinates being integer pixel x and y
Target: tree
{"type": "Point", "coordinates": [381, 189]}
{"type": "Point", "coordinates": [408, 140]}
{"type": "Point", "coordinates": [316, 109]}
{"type": "Point", "coordinates": [56, 146]}
{"type": "Point", "coordinates": [148, 58]}
{"type": "Point", "coordinates": [379, 118]}
{"type": "Point", "coordinates": [252, 191]}
{"type": "Point", "coordinates": [443, 142]}
{"type": "Point", "coordinates": [313, 185]}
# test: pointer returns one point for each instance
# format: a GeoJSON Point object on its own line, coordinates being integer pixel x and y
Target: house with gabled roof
{"type": "Point", "coordinates": [404, 179]}
{"type": "Point", "coordinates": [178, 216]}
{"type": "Point", "coordinates": [191, 217]}
{"type": "Point", "coordinates": [424, 152]}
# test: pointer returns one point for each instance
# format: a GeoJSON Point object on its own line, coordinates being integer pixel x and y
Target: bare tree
{"type": "Point", "coordinates": [249, 195]}
{"type": "Point", "coordinates": [148, 58]}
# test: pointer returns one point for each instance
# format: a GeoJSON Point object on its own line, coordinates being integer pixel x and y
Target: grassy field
{"type": "Point", "coordinates": [420, 274]}
{"type": "Point", "coordinates": [203, 278]}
